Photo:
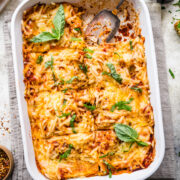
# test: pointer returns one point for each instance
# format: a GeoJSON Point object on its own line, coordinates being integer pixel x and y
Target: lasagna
{"type": "Point", "coordinates": [88, 103]}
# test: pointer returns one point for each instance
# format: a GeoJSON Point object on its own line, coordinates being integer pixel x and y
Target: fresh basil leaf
{"type": "Point", "coordinates": [59, 22]}
{"type": "Point", "coordinates": [122, 105]}
{"type": "Point", "coordinates": [39, 60]}
{"type": "Point", "coordinates": [172, 74]}
{"type": "Point", "coordinates": [108, 154]}
{"type": "Point", "coordinates": [88, 56]}
{"type": "Point", "coordinates": [131, 45]}
{"type": "Point", "coordinates": [43, 37]}
{"type": "Point", "coordinates": [109, 167]}
{"type": "Point", "coordinates": [71, 80]}
{"type": "Point", "coordinates": [127, 134]}
{"type": "Point", "coordinates": [113, 73]}
{"type": "Point", "coordinates": [89, 106]}
{"type": "Point", "coordinates": [83, 68]}
{"type": "Point", "coordinates": [88, 50]}
{"type": "Point", "coordinates": [72, 123]}
{"type": "Point", "coordinates": [67, 153]}
{"type": "Point", "coordinates": [139, 90]}
{"type": "Point", "coordinates": [76, 39]}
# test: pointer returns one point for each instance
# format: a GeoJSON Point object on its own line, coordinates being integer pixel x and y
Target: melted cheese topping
{"type": "Point", "coordinates": [52, 100]}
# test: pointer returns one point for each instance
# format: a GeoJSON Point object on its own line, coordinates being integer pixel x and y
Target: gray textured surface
{"type": "Point", "coordinates": [9, 91]}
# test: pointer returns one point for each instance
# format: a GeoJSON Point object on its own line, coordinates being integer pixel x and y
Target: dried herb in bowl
{"type": "Point", "coordinates": [4, 164]}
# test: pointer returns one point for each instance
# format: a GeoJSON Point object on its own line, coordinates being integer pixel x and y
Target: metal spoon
{"type": "Point", "coordinates": [104, 25]}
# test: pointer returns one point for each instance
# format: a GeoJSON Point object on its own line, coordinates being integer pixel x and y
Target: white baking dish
{"type": "Point", "coordinates": [154, 86]}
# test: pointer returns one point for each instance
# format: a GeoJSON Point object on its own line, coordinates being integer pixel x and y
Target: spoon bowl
{"type": "Point", "coordinates": [104, 25]}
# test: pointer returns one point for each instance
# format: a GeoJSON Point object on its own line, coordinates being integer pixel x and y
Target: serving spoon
{"type": "Point", "coordinates": [104, 25]}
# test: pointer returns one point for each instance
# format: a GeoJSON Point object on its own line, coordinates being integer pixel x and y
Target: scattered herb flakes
{"type": "Point", "coordinates": [113, 73]}
{"type": "Point", "coordinates": [109, 167]}
{"type": "Point", "coordinates": [39, 59]}
{"type": "Point", "coordinates": [89, 106]}
{"type": "Point", "coordinates": [137, 89]}
{"type": "Point", "coordinates": [64, 115]}
{"type": "Point", "coordinates": [78, 30]}
{"type": "Point", "coordinates": [67, 153]}
{"type": "Point", "coordinates": [71, 80]}
{"type": "Point", "coordinates": [50, 64]}
{"type": "Point", "coordinates": [88, 50]}
{"type": "Point", "coordinates": [117, 55]}
{"type": "Point", "coordinates": [122, 105]}
{"type": "Point", "coordinates": [177, 4]}
{"type": "Point", "coordinates": [170, 11]}
{"type": "Point", "coordinates": [65, 90]}
{"type": "Point", "coordinates": [83, 68]}
{"type": "Point", "coordinates": [72, 123]}
{"type": "Point", "coordinates": [88, 56]}
{"type": "Point", "coordinates": [131, 45]}
{"type": "Point", "coordinates": [178, 26]}
{"type": "Point", "coordinates": [108, 154]}
{"type": "Point", "coordinates": [76, 39]}
{"type": "Point", "coordinates": [57, 33]}
{"type": "Point", "coordinates": [127, 134]}
{"type": "Point", "coordinates": [64, 103]}
{"type": "Point", "coordinates": [172, 74]}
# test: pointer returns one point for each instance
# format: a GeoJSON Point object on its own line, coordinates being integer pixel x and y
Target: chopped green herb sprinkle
{"type": "Point", "coordinates": [172, 74]}
{"type": "Point", "coordinates": [88, 50]}
{"type": "Point", "coordinates": [131, 45]}
{"type": "Point", "coordinates": [78, 30]}
{"type": "Point", "coordinates": [88, 56]}
{"type": "Point", "coordinates": [67, 153]}
{"type": "Point", "coordinates": [76, 39]}
{"type": "Point", "coordinates": [122, 105]}
{"type": "Point", "coordinates": [39, 59]}
{"type": "Point", "coordinates": [89, 106]}
{"type": "Point", "coordinates": [72, 123]}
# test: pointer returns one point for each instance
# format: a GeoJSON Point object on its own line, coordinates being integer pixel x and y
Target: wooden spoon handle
{"type": "Point", "coordinates": [119, 4]}
{"type": "Point", "coordinates": [115, 11]}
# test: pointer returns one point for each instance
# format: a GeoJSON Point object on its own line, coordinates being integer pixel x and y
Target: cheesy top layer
{"type": "Point", "coordinates": [70, 101]}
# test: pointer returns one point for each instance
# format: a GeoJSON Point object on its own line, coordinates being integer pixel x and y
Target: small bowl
{"type": "Point", "coordinates": [11, 160]}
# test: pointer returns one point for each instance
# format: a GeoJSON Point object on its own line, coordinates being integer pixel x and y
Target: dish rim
{"type": "Point", "coordinates": [19, 94]}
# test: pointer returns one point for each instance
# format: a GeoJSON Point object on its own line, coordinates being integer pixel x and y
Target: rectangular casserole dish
{"type": "Point", "coordinates": [145, 24]}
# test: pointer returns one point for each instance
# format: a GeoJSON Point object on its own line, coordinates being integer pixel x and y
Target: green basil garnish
{"type": "Point", "coordinates": [39, 60]}
{"type": "Point", "coordinates": [72, 123]}
{"type": "Point", "coordinates": [122, 105]}
{"type": "Point", "coordinates": [67, 153]}
{"type": "Point", "coordinates": [113, 73]}
{"type": "Point", "coordinates": [127, 134]}
{"type": "Point", "coordinates": [57, 33]}
{"type": "Point", "coordinates": [89, 106]}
